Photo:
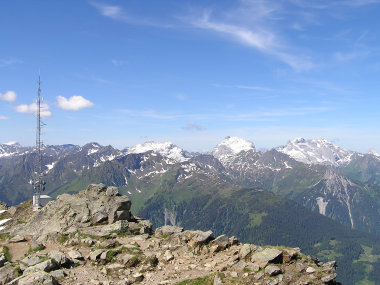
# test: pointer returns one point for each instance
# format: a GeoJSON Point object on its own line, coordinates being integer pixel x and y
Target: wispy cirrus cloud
{"type": "Point", "coordinates": [10, 61]}
{"type": "Point", "coordinates": [74, 103]}
{"type": "Point", "coordinates": [3, 118]}
{"type": "Point", "coordinates": [153, 114]}
{"type": "Point", "coordinates": [258, 115]}
{"type": "Point", "coordinates": [117, 62]}
{"type": "Point", "coordinates": [255, 34]}
{"type": "Point", "coordinates": [119, 14]}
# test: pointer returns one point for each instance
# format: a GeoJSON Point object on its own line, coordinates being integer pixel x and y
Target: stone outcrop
{"type": "Point", "coordinates": [92, 249]}
{"type": "Point", "coordinates": [97, 204]}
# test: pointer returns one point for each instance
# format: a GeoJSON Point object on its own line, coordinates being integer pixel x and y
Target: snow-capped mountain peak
{"type": "Point", "coordinates": [11, 143]}
{"type": "Point", "coordinates": [374, 152]}
{"type": "Point", "coordinates": [166, 149]}
{"type": "Point", "coordinates": [319, 151]}
{"type": "Point", "coordinates": [12, 148]}
{"type": "Point", "coordinates": [230, 147]}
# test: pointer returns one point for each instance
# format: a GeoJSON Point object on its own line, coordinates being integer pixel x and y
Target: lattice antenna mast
{"type": "Point", "coordinates": [39, 183]}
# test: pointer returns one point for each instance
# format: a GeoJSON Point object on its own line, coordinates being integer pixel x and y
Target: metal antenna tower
{"type": "Point", "coordinates": [39, 183]}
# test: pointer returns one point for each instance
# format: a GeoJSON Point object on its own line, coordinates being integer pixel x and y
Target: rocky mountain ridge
{"type": "Point", "coordinates": [92, 237]}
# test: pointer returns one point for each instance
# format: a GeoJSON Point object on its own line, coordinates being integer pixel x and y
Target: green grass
{"type": "Point", "coordinates": [62, 238]}
{"type": "Point", "coordinates": [367, 256]}
{"type": "Point", "coordinates": [256, 219]}
{"type": "Point", "coordinates": [5, 236]}
{"type": "Point", "coordinates": [38, 248]}
{"type": "Point", "coordinates": [5, 250]}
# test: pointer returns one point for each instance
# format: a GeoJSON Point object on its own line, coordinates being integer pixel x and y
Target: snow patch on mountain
{"type": "Point", "coordinates": [230, 147]}
{"type": "Point", "coordinates": [374, 152]}
{"type": "Point", "coordinates": [322, 205]}
{"type": "Point", "coordinates": [166, 149]}
{"type": "Point", "coordinates": [11, 143]}
{"type": "Point", "coordinates": [318, 151]}
{"type": "Point", "coordinates": [12, 148]}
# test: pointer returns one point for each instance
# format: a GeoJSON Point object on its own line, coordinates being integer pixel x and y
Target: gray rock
{"type": "Point", "coordinates": [233, 240]}
{"type": "Point", "coordinates": [17, 238]}
{"type": "Point", "coordinates": [95, 255]}
{"type": "Point", "coordinates": [103, 256]}
{"type": "Point", "coordinates": [329, 279]}
{"type": "Point", "coordinates": [74, 254]}
{"type": "Point", "coordinates": [129, 260]}
{"type": "Point", "coordinates": [36, 245]}
{"type": "Point", "coordinates": [245, 250]}
{"type": "Point", "coordinates": [168, 256]}
{"type": "Point", "coordinates": [47, 266]}
{"type": "Point", "coordinates": [30, 260]}
{"type": "Point", "coordinates": [112, 191]}
{"type": "Point", "coordinates": [167, 231]}
{"type": "Point", "coordinates": [57, 274]}
{"type": "Point", "coordinates": [268, 255]}
{"type": "Point", "coordinates": [96, 188]}
{"type": "Point", "coordinates": [253, 267]}
{"type": "Point", "coordinates": [197, 238]}
{"type": "Point", "coordinates": [88, 241]}
{"type": "Point", "coordinates": [108, 243]}
{"type": "Point", "coordinates": [310, 270]}
{"type": "Point", "coordinates": [115, 266]}
{"type": "Point", "coordinates": [221, 242]}
{"type": "Point", "coordinates": [100, 217]}
{"type": "Point", "coordinates": [59, 257]}
{"type": "Point", "coordinates": [38, 278]}
{"type": "Point", "coordinates": [3, 259]}
{"type": "Point", "coordinates": [272, 270]}
{"type": "Point", "coordinates": [8, 272]}
{"type": "Point", "coordinates": [3, 206]}
{"type": "Point", "coordinates": [138, 277]}
{"type": "Point", "coordinates": [217, 280]}
{"type": "Point", "coordinates": [120, 209]}
{"type": "Point", "coordinates": [289, 254]}
{"type": "Point", "coordinates": [146, 227]}
{"type": "Point", "coordinates": [72, 212]}
{"type": "Point", "coordinates": [330, 265]}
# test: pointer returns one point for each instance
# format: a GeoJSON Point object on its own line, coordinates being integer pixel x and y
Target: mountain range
{"type": "Point", "coordinates": [308, 179]}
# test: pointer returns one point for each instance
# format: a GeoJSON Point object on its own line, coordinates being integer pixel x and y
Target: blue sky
{"type": "Point", "coordinates": [191, 72]}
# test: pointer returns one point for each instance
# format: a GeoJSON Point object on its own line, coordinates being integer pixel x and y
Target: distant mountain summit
{"type": "Point", "coordinates": [12, 148]}
{"type": "Point", "coordinates": [374, 152]}
{"type": "Point", "coordinates": [166, 149]}
{"type": "Point", "coordinates": [318, 151]}
{"type": "Point", "coordinates": [228, 148]}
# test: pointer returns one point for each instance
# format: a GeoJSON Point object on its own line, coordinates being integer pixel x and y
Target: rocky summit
{"type": "Point", "coordinates": [93, 238]}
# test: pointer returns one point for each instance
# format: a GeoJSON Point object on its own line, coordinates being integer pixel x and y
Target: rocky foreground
{"type": "Point", "coordinates": [92, 238]}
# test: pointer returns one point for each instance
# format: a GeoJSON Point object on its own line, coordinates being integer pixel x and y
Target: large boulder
{"type": "Point", "coordinates": [8, 272]}
{"type": "Point", "coordinates": [268, 255]}
{"type": "Point", "coordinates": [40, 277]}
{"type": "Point", "coordinates": [95, 205]}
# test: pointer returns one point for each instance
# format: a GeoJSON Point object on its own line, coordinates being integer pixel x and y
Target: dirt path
{"type": "Point", "coordinates": [17, 250]}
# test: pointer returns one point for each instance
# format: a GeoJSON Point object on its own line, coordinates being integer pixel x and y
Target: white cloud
{"type": "Point", "coordinates": [74, 103]}
{"type": "Point", "coordinates": [32, 109]}
{"type": "Point", "coordinates": [3, 118]}
{"type": "Point", "coordinates": [193, 126]}
{"type": "Point", "coordinates": [9, 96]}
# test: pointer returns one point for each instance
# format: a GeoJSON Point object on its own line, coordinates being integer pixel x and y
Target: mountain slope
{"type": "Point", "coordinates": [254, 215]}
